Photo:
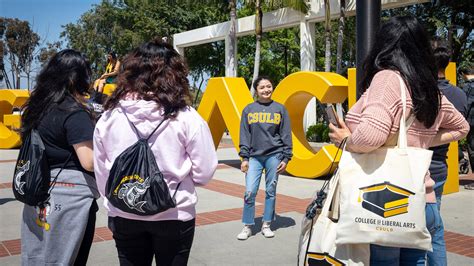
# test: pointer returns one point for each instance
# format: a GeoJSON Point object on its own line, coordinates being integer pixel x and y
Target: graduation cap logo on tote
{"type": "Point", "coordinates": [385, 199]}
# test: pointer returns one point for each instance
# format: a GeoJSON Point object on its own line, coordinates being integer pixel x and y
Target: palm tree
{"type": "Point", "coordinates": [299, 5]}
{"type": "Point", "coordinates": [340, 36]}
{"type": "Point", "coordinates": [327, 30]}
{"type": "Point", "coordinates": [233, 38]}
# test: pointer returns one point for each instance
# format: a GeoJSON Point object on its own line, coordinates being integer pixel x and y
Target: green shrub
{"type": "Point", "coordinates": [463, 144]}
{"type": "Point", "coordinates": [318, 133]}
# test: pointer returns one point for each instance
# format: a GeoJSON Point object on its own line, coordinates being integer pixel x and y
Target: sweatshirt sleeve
{"type": "Point", "coordinates": [285, 133]}
{"type": "Point", "coordinates": [244, 139]}
{"type": "Point", "coordinates": [100, 157]}
{"type": "Point", "coordinates": [453, 121]}
{"type": "Point", "coordinates": [202, 154]}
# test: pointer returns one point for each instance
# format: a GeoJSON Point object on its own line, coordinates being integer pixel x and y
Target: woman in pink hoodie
{"type": "Point", "coordinates": [152, 87]}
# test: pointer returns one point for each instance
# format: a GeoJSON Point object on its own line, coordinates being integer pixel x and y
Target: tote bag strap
{"type": "Point", "coordinates": [333, 212]}
{"type": "Point", "coordinates": [333, 197]}
{"type": "Point", "coordinates": [392, 140]}
{"type": "Point", "coordinates": [402, 142]}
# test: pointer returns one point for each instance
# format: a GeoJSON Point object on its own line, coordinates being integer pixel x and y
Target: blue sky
{"type": "Point", "coordinates": [45, 16]}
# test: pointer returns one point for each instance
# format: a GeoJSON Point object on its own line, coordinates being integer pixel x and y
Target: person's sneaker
{"type": "Point", "coordinates": [266, 231]}
{"type": "Point", "coordinates": [245, 234]}
{"type": "Point", "coordinates": [469, 186]}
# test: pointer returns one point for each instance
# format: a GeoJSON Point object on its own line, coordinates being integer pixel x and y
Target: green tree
{"type": "Point", "coordinates": [122, 26]}
{"type": "Point", "coordinates": [327, 34]}
{"type": "Point", "coordinates": [48, 51]}
{"type": "Point", "coordinates": [18, 44]}
{"type": "Point", "coordinates": [3, 73]}
{"type": "Point", "coordinates": [233, 37]}
{"type": "Point", "coordinates": [340, 35]}
{"type": "Point", "coordinates": [452, 20]}
{"type": "Point", "coordinates": [299, 5]}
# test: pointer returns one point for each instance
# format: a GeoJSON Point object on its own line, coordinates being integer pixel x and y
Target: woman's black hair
{"type": "Point", "coordinates": [442, 56]}
{"type": "Point", "coordinates": [260, 78]}
{"type": "Point", "coordinates": [155, 71]}
{"type": "Point", "coordinates": [66, 74]}
{"type": "Point", "coordinates": [401, 44]}
{"type": "Point", "coordinates": [113, 54]}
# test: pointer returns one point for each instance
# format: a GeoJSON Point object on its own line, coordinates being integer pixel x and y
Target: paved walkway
{"type": "Point", "coordinates": [218, 220]}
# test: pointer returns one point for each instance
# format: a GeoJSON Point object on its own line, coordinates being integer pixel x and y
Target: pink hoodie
{"type": "Point", "coordinates": [182, 146]}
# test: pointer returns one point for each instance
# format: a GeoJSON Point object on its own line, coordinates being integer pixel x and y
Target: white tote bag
{"type": "Point", "coordinates": [383, 194]}
{"type": "Point", "coordinates": [318, 236]}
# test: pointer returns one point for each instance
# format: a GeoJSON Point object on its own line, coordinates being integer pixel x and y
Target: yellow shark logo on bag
{"type": "Point", "coordinates": [322, 259]}
{"type": "Point", "coordinates": [385, 199]}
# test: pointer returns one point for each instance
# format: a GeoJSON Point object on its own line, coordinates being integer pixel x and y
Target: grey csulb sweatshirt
{"type": "Point", "coordinates": [264, 130]}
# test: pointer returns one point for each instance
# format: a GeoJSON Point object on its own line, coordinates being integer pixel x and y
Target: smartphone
{"type": "Point", "coordinates": [332, 115]}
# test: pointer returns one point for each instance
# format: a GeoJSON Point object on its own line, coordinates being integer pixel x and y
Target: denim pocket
{"type": "Point", "coordinates": [433, 218]}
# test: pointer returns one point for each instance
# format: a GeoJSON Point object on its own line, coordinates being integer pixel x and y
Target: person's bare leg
{"type": "Point", "coordinates": [100, 88]}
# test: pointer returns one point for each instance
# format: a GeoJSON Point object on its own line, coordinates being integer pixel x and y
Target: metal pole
{"type": "Point", "coordinates": [367, 24]}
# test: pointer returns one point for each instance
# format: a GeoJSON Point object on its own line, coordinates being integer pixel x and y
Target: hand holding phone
{"type": "Point", "coordinates": [332, 115]}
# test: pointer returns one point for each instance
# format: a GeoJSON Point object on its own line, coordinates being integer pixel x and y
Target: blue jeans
{"type": "Point", "coordinates": [438, 256]}
{"type": "Point", "coordinates": [252, 182]}
{"type": "Point", "coordinates": [389, 256]}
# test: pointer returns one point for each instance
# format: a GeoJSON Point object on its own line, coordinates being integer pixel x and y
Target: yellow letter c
{"type": "Point", "coordinates": [295, 92]}
{"type": "Point", "coordinates": [9, 99]}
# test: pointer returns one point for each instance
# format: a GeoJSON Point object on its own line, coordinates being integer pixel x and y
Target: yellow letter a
{"type": "Point", "coordinates": [222, 104]}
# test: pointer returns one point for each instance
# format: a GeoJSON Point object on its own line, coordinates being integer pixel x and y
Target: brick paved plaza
{"type": "Point", "coordinates": [218, 220]}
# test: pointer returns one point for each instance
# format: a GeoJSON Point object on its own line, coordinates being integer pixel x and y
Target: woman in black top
{"type": "Point", "coordinates": [56, 109]}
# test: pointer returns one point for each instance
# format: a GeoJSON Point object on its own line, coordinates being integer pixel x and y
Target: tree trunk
{"type": "Point", "coordinates": [195, 103]}
{"type": "Point", "coordinates": [233, 37]}
{"type": "Point", "coordinates": [451, 32]}
{"type": "Point", "coordinates": [6, 78]}
{"type": "Point", "coordinates": [327, 61]}
{"type": "Point", "coordinates": [18, 78]}
{"type": "Point", "coordinates": [340, 36]}
{"type": "Point", "coordinates": [258, 37]}
{"type": "Point", "coordinates": [12, 69]}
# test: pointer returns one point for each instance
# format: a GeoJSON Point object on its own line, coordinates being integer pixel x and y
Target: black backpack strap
{"type": "Point", "coordinates": [177, 187]}
{"type": "Point", "coordinates": [136, 130]}
{"type": "Point", "coordinates": [130, 122]}
{"type": "Point", "coordinates": [156, 128]}
{"type": "Point", "coordinates": [53, 183]}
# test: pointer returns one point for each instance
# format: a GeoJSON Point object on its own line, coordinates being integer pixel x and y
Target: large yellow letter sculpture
{"type": "Point", "coordinates": [8, 121]}
{"type": "Point", "coordinates": [222, 105]}
{"type": "Point", "coordinates": [225, 98]}
{"type": "Point", "coordinates": [295, 91]}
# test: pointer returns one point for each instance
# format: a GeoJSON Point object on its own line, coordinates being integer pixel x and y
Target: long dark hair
{"type": "Point", "coordinates": [401, 44]}
{"type": "Point", "coordinates": [113, 55]}
{"type": "Point", "coordinates": [66, 74]}
{"type": "Point", "coordinates": [153, 72]}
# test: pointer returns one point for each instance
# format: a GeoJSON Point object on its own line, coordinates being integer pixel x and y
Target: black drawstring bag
{"type": "Point", "coordinates": [32, 183]}
{"type": "Point", "coordinates": [135, 183]}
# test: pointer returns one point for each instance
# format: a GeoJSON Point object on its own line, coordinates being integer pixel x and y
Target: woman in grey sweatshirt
{"type": "Point", "coordinates": [265, 143]}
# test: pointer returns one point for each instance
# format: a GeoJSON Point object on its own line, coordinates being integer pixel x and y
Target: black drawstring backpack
{"type": "Point", "coordinates": [32, 183]}
{"type": "Point", "coordinates": [136, 184]}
